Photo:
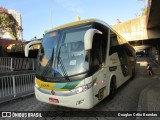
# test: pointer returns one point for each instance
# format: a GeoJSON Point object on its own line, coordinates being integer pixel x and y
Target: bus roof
{"type": "Point", "coordinates": [72, 24]}
{"type": "Point", "coordinates": [86, 21]}
{"type": "Point", "coordinates": [79, 23]}
{"type": "Point", "coordinates": [83, 22]}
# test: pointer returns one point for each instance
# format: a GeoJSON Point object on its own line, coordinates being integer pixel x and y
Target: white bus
{"type": "Point", "coordinates": [81, 63]}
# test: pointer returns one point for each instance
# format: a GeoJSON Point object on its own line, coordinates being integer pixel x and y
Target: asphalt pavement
{"type": "Point", "coordinates": [149, 99]}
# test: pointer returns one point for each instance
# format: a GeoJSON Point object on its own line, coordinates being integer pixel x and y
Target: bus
{"type": "Point", "coordinates": [81, 63]}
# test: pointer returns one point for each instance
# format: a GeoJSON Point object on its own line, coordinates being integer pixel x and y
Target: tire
{"type": "Point", "coordinates": [112, 88]}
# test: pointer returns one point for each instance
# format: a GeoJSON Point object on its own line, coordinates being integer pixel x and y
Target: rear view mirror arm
{"type": "Point", "coordinates": [29, 45]}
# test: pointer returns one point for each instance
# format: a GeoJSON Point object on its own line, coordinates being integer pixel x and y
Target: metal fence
{"type": "Point", "coordinates": [15, 86]}
{"type": "Point", "coordinates": [15, 64]}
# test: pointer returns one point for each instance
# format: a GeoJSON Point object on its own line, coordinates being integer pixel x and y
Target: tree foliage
{"type": "Point", "coordinates": [8, 23]}
{"type": "Point", "coordinates": [144, 9]}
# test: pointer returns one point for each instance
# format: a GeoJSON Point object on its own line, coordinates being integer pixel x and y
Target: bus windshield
{"type": "Point", "coordinates": [62, 54]}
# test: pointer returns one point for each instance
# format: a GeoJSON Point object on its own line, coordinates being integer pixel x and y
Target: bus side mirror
{"type": "Point", "coordinates": [27, 47]}
{"type": "Point", "coordinates": [88, 38]}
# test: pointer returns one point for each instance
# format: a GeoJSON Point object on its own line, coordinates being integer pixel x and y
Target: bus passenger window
{"type": "Point", "coordinates": [113, 43]}
{"type": "Point", "coordinates": [103, 39]}
{"type": "Point", "coordinates": [128, 50]}
{"type": "Point", "coordinates": [96, 52]}
{"type": "Point", "coordinates": [99, 47]}
{"type": "Point", "coordinates": [113, 39]}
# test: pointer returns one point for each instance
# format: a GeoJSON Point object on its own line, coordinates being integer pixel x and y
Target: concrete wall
{"type": "Point", "coordinates": [135, 29]}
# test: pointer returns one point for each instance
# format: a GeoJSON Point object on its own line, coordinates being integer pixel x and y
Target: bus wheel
{"type": "Point", "coordinates": [112, 88]}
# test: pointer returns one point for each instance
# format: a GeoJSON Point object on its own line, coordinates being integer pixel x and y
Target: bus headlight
{"type": "Point", "coordinates": [82, 88]}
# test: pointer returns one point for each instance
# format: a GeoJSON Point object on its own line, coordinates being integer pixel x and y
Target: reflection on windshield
{"type": "Point", "coordinates": [72, 52]}
{"type": "Point", "coordinates": [43, 61]}
{"type": "Point", "coordinates": [67, 54]}
{"type": "Point", "coordinates": [48, 46]}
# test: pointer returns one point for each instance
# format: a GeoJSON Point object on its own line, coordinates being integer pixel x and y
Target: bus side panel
{"type": "Point", "coordinates": [114, 68]}
{"type": "Point", "coordinates": [100, 85]}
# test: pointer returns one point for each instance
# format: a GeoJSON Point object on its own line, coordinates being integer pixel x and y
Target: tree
{"type": "Point", "coordinates": [8, 23]}
{"type": "Point", "coordinates": [144, 9]}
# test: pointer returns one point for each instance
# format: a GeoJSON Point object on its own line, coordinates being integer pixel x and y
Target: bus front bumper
{"type": "Point", "coordinates": [83, 100]}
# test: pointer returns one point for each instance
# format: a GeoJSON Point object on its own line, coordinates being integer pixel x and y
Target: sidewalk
{"type": "Point", "coordinates": [149, 99]}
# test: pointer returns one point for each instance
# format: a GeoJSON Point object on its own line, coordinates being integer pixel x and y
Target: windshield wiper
{"type": "Point", "coordinates": [62, 66]}
{"type": "Point", "coordinates": [49, 64]}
